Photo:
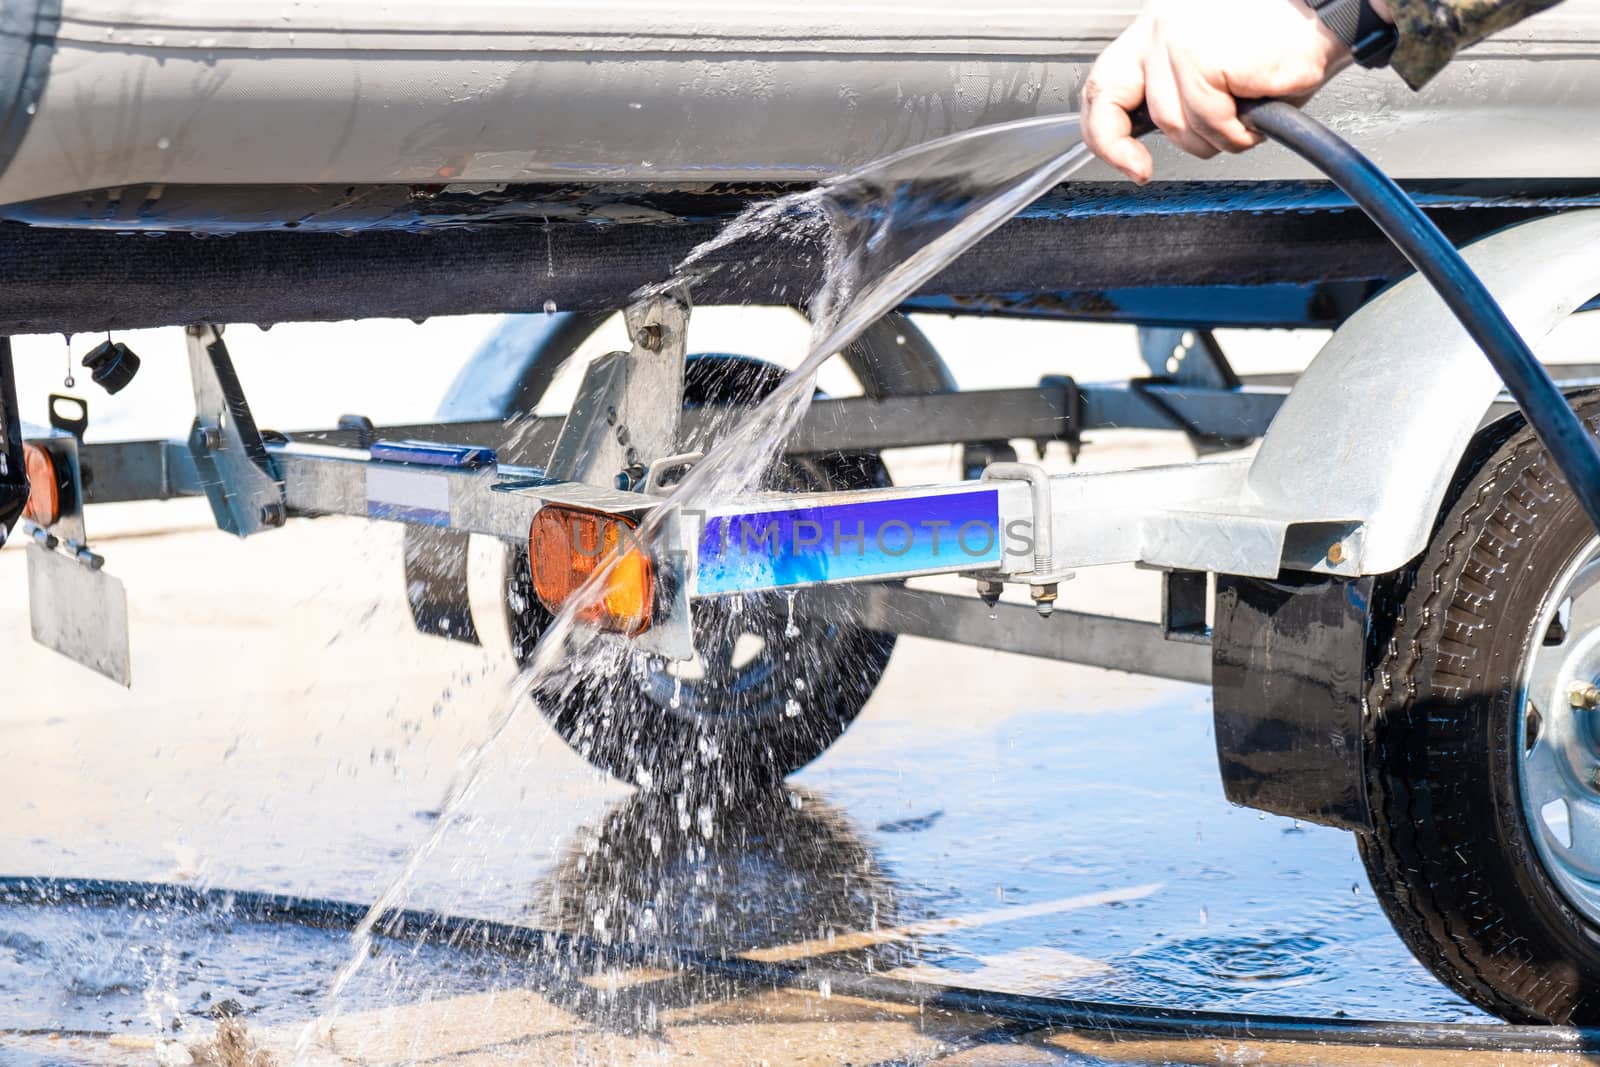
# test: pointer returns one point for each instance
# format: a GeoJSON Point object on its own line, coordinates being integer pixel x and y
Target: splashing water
{"type": "Point", "coordinates": [887, 229]}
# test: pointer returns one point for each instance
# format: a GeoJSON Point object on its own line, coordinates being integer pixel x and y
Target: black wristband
{"type": "Point", "coordinates": [1370, 39]}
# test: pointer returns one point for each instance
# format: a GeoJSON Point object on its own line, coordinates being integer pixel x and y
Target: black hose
{"type": "Point", "coordinates": [1562, 433]}
{"type": "Point", "coordinates": [1112, 1021]}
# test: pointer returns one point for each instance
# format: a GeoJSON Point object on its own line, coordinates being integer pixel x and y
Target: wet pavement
{"type": "Point", "coordinates": [990, 822]}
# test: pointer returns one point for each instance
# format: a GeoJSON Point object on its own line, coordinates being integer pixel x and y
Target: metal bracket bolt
{"type": "Point", "coordinates": [649, 337]}
{"type": "Point", "coordinates": [208, 437]}
{"type": "Point", "coordinates": [631, 476]}
{"type": "Point", "coordinates": [1045, 576]}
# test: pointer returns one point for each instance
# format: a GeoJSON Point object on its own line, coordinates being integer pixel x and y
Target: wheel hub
{"type": "Point", "coordinates": [1559, 735]}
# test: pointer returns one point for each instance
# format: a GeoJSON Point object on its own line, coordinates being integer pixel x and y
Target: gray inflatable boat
{"type": "Point", "coordinates": [400, 159]}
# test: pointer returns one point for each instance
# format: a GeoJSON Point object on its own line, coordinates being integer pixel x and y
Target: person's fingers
{"type": "Point", "coordinates": [1116, 87]}
{"type": "Point", "coordinates": [1212, 113]}
{"type": "Point", "coordinates": [1166, 107]}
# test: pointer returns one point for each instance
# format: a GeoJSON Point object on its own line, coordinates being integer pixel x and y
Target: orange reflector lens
{"type": "Point", "coordinates": [44, 492]}
{"type": "Point", "coordinates": [566, 546]}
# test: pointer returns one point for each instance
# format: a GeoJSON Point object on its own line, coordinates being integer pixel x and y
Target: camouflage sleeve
{"type": "Point", "coordinates": [1432, 31]}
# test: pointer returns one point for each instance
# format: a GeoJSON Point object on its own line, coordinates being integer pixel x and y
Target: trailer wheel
{"type": "Point", "coordinates": [1484, 768]}
{"type": "Point", "coordinates": [772, 685]}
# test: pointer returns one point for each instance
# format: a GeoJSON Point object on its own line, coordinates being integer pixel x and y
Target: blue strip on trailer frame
{"type": "Point", "coordinates": [792, 547]}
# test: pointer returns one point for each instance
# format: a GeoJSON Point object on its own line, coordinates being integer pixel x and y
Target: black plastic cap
{"type": "Point", "coordinates": [112, 365]}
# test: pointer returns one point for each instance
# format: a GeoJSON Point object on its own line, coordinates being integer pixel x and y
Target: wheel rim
{"type": "Point", "coordinates": [1558, 734]}
{"type": "Point", "coordinates": [740, 669]}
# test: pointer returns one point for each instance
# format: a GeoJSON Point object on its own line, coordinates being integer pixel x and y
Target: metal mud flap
{"type": "Point", "coordinates": [74, 606]}
{"type": "Point", "coordinates": [80, 611]}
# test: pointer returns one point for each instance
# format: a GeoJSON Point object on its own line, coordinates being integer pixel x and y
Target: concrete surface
{"type": "Point", "coordinates": [287, 730]}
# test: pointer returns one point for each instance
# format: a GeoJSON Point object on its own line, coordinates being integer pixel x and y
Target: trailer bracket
{"type": "Point", "coordinates": [235, 468]}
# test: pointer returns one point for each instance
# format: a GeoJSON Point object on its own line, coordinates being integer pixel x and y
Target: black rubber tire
{"type": "Point", "coordinates": [1453, 861]}
{"type": "Point", "coordinates": [814, 677]}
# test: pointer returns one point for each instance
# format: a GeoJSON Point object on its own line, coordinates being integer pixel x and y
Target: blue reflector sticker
{"type": "Point", "coordinates": [432, 454]}
{"type": "Point", "coordinates": [844, 542]}
{"type": "Point", "coordinates": [401, 495]}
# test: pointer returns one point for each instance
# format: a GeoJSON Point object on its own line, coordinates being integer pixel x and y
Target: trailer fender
{"type": "Point", "coordinates": [1377, 425]}
{"type": "Point", "coordinates": [1374, 431]}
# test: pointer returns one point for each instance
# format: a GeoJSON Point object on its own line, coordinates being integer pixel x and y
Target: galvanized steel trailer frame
{"type": "Point", "coordinates": [1300, 529]}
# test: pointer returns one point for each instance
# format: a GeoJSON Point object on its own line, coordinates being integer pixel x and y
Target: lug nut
{"type": "Point", "coordinates": [1584, 695]}
{"type": "Point", "coordinates": [1044, 599]}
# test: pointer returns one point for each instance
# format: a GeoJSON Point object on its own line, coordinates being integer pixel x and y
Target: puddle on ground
{"type": "Point", "coordinates": [976, 864]}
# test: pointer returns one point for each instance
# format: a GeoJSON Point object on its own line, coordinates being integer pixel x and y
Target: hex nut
{"type": "Point", "coordinates": [649, 337]}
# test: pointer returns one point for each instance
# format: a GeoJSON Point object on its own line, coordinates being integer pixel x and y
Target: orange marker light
{"type": "Point", "coordinates": [44, 491]}
{"type": "Point", "coordinates": [567, 545]}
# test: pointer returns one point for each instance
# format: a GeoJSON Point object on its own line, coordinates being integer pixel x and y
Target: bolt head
{"type": "Point", "coordinates": [1336, 553]}
{"type": "Point", "coordinates": [1584, 695]}
{"type": "Point", "coordinates": [649, 337]}
{"type": "Point", "coordinates": [272, 514]}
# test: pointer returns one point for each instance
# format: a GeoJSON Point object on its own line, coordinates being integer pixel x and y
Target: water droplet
{"type": "Point", "coordinates": [792, 708]}
{"type": "Point", "coordinates": [549, 307]}
{"type": "Point", "coordinates": [164, 143]}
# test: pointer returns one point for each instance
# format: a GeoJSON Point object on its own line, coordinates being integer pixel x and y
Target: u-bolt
{"type": "Point", "coordinates": [1044, 587]}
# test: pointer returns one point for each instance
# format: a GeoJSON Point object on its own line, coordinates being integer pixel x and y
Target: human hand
{"type": "Point", "coordinates": [1190, 60]}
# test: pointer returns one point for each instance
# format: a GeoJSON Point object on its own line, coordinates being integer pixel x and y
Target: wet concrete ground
{"type": "Point", "coordinates": [989, 822]}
